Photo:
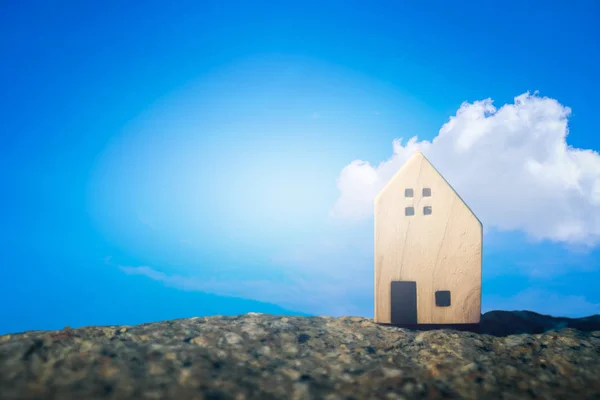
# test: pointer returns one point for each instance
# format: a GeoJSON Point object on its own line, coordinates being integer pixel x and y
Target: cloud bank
{"type": "Point", "coordinates": [512, 165]}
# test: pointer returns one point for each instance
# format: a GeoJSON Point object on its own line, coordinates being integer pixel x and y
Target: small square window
{"type": "Point", "coordinates": [408, 193]}
{"type": "Point", "coordinates": [442, 298]}
{"type": "Point", "coordinates": [426, 192]}
{"type": "Point", "coordinates": [408, 211]}
{"type": "Point", "coordinates": [427, 210]}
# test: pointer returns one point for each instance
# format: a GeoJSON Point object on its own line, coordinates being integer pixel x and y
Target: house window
{"type": "Point", "coordinates": [408, 193]}
{"type": "Point", "coordinates": [426, 192]}
{"type": "Point", "coordinates": [409, 211]}
{"type": "Point", "coordinates": [427, 210]}
{"type": "Point", "coordinates": [442, 298]}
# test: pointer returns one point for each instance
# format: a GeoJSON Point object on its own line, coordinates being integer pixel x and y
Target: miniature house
{"type": "Point", "coordinates": [427, 250]}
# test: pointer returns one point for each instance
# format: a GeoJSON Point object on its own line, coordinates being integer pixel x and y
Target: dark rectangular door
{"type": "Point", "coordinates": [404, 302]}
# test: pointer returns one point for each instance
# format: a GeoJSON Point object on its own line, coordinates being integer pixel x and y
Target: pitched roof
{"type": "Point", "coordinates": [419, 156]}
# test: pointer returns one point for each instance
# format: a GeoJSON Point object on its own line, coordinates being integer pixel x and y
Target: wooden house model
{"type": "Point", "coordinates": [428, 247]}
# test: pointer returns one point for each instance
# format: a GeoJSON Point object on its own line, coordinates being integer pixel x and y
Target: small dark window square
{"type": "Point", "coordinates": [427, 210]}
{"type": "Point", "coordinates": [426, 192]}
{"type": "Point", "coordinates": [408, 193]}
{"type": "Point", "coordinates": [442, 298]}
{"type": "Point", "coordinates": [409, 211]}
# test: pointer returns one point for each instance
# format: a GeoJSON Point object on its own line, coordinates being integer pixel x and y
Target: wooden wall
{"type": "Point", "coordinates": [440, 251]}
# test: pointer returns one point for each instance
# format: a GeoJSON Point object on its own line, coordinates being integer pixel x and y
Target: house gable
{"type": "Point", "coordinates": [425, 233]}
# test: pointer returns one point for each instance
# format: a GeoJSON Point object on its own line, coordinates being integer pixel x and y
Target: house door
{"type": "Point", "coordinates": [404, 302]}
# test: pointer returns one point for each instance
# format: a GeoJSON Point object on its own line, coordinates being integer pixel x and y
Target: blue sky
{"type": "Point", "coordinates": [195, 158]}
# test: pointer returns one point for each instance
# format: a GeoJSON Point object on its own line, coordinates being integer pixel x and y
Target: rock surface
{"type": "Point", "coordinates": [515, 355]}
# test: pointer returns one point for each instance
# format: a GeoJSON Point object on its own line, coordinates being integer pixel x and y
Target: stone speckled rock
{"type": "Point", "coordinates": [513, 355]}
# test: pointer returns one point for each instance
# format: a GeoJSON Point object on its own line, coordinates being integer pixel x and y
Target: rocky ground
{"type": "Point", "coordinates": [515, 355]}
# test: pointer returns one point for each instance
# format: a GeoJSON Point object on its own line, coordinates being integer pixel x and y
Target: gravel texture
{"type": "Point", "coordinates": [514, 355]}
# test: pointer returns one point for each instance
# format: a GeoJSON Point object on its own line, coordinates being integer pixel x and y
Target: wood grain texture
{"type": "Point", "coordinates": [440, 251]}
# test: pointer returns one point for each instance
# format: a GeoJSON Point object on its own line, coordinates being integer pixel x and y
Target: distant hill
{"type": "Point", "coordinates": [115, 298]}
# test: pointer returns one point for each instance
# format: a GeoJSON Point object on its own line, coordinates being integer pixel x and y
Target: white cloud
{"type": "Point", "coordinates": [512, 165]}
